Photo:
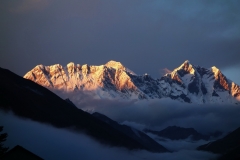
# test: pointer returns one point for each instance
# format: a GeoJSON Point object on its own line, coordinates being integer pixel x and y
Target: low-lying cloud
{"type": "Point", "coordinates": [51, 143]}
{"type": "Point", "coordinates": [160, 113]}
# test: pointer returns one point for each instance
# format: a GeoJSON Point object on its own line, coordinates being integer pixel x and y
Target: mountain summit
{"type": "Point", "coordinates": [187, 83]}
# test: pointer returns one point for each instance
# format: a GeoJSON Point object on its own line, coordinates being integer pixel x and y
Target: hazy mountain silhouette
{"type": "Point", "coordinates": [177, 133]}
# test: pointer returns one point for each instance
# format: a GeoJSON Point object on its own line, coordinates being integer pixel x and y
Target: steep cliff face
{"type": "Point", "coordinates": [187, 83]}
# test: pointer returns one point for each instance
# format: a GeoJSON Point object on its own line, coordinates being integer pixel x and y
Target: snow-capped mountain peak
{"type": "Point", "coordinates": [185, 66]}
{"type": "Point", "coordinates": [118, 65]}
{"type": "Point", "coordinates": [186, 83]}
{"type": "Point", "coordinates": [115, 65]}
{"type": "Point", "coordinates": [215, 70]}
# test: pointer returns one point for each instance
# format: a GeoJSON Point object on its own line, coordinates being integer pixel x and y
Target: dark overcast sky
{"type": "Point", "coordinates": [145, 35]}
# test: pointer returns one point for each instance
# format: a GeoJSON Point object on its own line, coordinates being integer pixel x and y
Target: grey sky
{"type": "Point", "coordinates": [145, 35]}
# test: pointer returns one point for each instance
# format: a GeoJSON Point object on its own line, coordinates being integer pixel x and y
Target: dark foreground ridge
{"type": "Point", "coordinates": [228, 146]}
{"type": "Point", "coordinates": [18, 152]}
{"type": "Point", "coordinates": [30, 100]}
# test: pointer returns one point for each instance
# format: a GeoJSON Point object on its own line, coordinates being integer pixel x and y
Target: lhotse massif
{"type": "Point", "coordinates": [187, 83]}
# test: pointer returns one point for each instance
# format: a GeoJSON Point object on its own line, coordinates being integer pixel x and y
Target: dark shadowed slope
{"type": "Point", "coordinates": [135, 134]}
{"type": "Point", "coordinates": [28, 99]}
{"type": "Point", "coordinates": [229, 146]}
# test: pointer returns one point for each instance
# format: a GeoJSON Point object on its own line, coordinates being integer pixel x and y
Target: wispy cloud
{"type": "Point", "coordinates": [165, 71]}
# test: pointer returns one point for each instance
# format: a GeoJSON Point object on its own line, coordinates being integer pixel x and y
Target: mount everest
{"type": "Point", "coordinates": [187, 83]}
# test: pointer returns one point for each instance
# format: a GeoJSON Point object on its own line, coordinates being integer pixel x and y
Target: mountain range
{"type": "Point", "coordinates": [187, 83]}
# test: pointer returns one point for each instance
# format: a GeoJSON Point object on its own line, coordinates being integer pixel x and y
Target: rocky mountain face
{"type": "Point", "coordinates": [187, 83]}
